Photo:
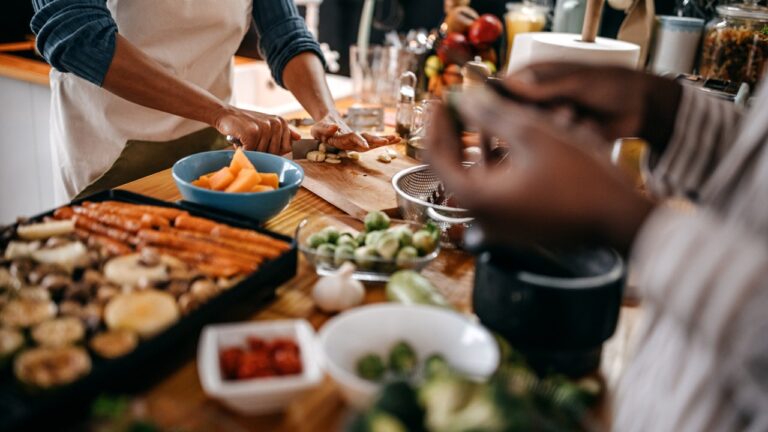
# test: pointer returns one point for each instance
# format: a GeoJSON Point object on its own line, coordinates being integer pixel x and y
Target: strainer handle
{"type": "Point", "coordinates": [433, 214]}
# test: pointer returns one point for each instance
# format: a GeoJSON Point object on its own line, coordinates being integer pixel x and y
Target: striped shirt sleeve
{"type": "Point", "coordinates": [707, 274]}
{"type": "Point", "coordinates": [283, 34]}
{"type": "Point", "coordinates": [704, 131]}
{"type": "Point", "coordinates": [76, 36]}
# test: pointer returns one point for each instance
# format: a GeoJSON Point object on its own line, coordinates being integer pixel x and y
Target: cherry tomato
{"type": "Point", "coordinates": [286, 361]}
{"type": "Point", "coordinates": [229, 360]}
{"type": "Point", "coordinates": [256, 344]}
{"type": "Point", "coordinates": [254, 364]}
{"type": "Point", "coordinates": [284, 344]}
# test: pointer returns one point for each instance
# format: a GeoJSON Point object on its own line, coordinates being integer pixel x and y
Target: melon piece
{"type": "Point", "coordinates": [221, 179]}
{"type": "Point", "coordinates": [270, 179]}
{"type": "Point", "coordinates": [245, 181]}
{"type": "Point", "coordinates": [262, 188]}
{"type": "Point", "coordinates": [202, 182]}
{"type": "Point", "coordinates": [239, 162]}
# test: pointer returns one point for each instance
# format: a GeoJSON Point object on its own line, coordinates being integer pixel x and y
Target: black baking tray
{"type": "Point", "coordinates": [53, 410]}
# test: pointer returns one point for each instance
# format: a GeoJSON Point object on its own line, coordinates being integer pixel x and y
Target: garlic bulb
{"type": "Point", "coordinates": [339, 291]}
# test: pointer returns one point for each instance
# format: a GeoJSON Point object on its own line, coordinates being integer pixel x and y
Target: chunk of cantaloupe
{"type": "Point", "coordinates": [262, 188]}
{"type": "Point", "coordinates": [245, 181]}
{"type": "Point", "coordinates": [202, 182]}
{"type": "Point", "coordinates": [270, 179]}
{"type": "Point", "coordinates": [221, 179]}
{"type": "Point", "coordinates": [240, 161]}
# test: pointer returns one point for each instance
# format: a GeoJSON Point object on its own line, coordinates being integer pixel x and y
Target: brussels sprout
{"type": "Point", "coordinates": [376, 220]}
{"type": "Point", "coordinates": [406, 256]}
{"type": "Point", "coordinates": [403, 233]}
{"type": "Point", "coordinates": [360, 238]}
{"type": "Point", "coordinates": [402, 359]}
{"type": "Point", "coordinates": [344, 253]}
{"type": "Point", "coordinates": [387, 245]}
{"type": "Point", "coordinates": [435, 365]}
{"type": "Point", "coordinates": [424, 242]}
{"type": "Point", "coordinates": [365, 257]}
{"type": "Point", "coordinates": [372, 238]}
{"type": "Point", "coordinates": [346, 239]}
{"type": "Point", "coordinates": [317, 239]}
{"type": "Point", "coordinates": [332, 234]}
{"type": "Point", "coordinates": [325, 253]}
{"type": "Point", "coordinates": [370, 367]}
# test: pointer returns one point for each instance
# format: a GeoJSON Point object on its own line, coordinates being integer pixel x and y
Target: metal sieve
{"type": "Point", "coordinates": [421, 197]}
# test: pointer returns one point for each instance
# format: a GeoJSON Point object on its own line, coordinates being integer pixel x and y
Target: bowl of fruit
{"type": "Point", "coordinates": [378, 246]}
{"type": "Point", "coordinates": [248, 183]}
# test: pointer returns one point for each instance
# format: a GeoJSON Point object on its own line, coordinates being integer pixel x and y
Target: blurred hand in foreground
{"type": "Point", "coordinates": [554, 186]}
{"type": "Point", "coordinates": [617, 102]}
{"type": "Point", "coordinates": [332, 130]}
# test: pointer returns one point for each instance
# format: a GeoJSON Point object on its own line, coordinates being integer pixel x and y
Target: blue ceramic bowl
{"type": "Point", "coordinates": [255, 205]}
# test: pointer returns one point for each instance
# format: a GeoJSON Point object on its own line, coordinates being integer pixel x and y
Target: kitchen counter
{"type": "Point", "coordinates": [178, 400]}
{"type": "Point", "coordinates": [36, 71]}
{"type": "Point", "coordinates": [22, 68]}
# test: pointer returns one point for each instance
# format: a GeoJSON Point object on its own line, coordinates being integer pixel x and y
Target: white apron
{"type": "Point", "coordinates": [195, 39]}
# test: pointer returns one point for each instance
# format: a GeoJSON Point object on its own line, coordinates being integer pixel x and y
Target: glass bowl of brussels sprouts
{"type": "Point", "coordinates": [378, 246]}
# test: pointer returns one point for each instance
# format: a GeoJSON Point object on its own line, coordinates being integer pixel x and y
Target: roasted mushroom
{"type": "Point", "coordinates": [145, 312]}
{"type": "Point", "coordinates": [26, 313]}
{"type": "Point", "coordinates": [68, 256]}
{"type": "Point", "coordinates": [204, 289]}
{"type": "Point", "coordinates": [105, 293]}
{"type": "Point", "coordinates": [46, 368]}
{"type": "Point", "coordinates": [11, 340]}
{"type": "Point", "coordinates": [44, 230]}
{"type": "Point", "coordinates": [20, 268]}
{"type": "Point", "coordinates": [131, 270]}
{"type": "Point", "coordinates": [59, 332]}
{"type": "Point", "coordinates": [34, 293]}
{"type": "Point", "coordinates": [114, 343]}
{"type": "Point", "coordinates": [56, 283]}
{"type": "Point", "coordinates": [37, 274]}
{"type": "Point", "coordinates": [20, 250]}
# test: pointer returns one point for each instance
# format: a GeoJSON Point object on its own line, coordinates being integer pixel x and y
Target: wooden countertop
{"type": "Point", "coordinates": [178, 400]}
{"type": "Point", "coordinates": [37, 71]}
{"type": "Point", "coordinates": [20, 68]}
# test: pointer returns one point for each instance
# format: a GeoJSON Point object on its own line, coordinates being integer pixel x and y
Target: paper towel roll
{"type": "Point", "coordinates": [531, 48]}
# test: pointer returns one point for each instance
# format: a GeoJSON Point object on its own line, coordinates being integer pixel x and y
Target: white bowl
{"type": "Point", "coordinates": [467, 346]}
{"type": "Point", "coordinates": [257, 395]}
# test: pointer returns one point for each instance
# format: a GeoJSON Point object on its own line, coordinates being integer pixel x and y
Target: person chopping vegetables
{"type": "Point", "coordinates": [138, 84]}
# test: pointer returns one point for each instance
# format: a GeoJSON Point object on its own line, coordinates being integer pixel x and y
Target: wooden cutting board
{"type": "Point", "coordinates": [358, 187]}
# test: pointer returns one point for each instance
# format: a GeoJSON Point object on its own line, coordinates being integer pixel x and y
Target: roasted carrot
{"type": "Point", "coordinates": [210, 266]}
{"type": "Point", "coordinates": [85, 223]}
{"type": "Point", "coordinates": [64, 213]}
{"type": "Point", "coordinates": [112, 246]}
{"type": "Point", "coordinates": [168, 213]}
{"type": "Point", "coordinates": [247, 235]}
{"type": "Point", "coordinates": [118, 221]}
{"type": "Point", "coordinates": [247, 262]}
{"type": "Point", "coordinates": [266, 251]}
{"type": "Point", "coordinates": [198, 224]}
{"type": "Point", "coordinates": [194, 223]}
{"type": "Point", "coordinates": [147, 220]}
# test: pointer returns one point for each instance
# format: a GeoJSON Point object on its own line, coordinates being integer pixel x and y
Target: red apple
{"type": "Point", "coordinates": [454, 49]}
{"type": "Point", "coordinates": [485, 30]}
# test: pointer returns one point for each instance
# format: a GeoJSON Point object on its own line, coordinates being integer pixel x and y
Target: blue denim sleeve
{"type": "Point", "coordinates": [282, 34]}
{"type": "Point", "coordinates": [76, 36]}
